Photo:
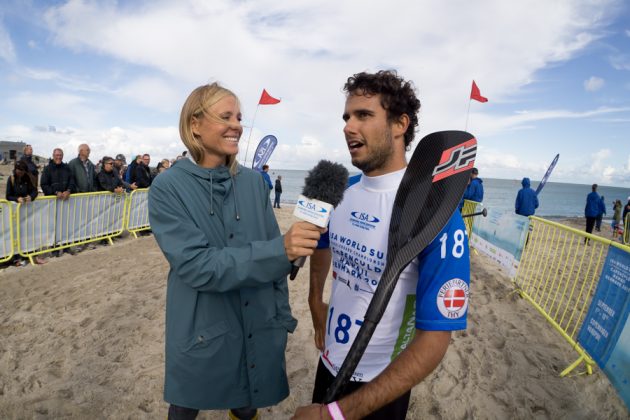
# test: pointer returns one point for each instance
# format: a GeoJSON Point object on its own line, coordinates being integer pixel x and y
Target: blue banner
{"type": "Point", "coordinates": [263, 151]}
{"type": "Point", "coordinates": [543, 181]}
{"type": "Point", "coordinates": [605, 333]}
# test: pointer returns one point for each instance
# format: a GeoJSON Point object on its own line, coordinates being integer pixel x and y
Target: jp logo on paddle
{"type": "Point", "coordinates": [452, 300]}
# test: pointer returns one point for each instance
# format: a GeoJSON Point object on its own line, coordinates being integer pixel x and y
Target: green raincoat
{"type": "Point", "coordinates": [227, 300]}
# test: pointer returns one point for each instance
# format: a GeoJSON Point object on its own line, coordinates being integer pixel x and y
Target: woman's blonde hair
{"type": "Point", "coordinates": [197, 105]}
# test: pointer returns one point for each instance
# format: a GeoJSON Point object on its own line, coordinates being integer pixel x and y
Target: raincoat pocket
{"type": "Point", "coordinates": [205, 338]}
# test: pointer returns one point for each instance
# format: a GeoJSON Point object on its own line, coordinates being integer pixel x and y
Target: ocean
{"type": "Point", "coordinates": [557, 199]}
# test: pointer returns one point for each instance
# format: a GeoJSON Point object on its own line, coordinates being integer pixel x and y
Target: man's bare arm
{"type": "Point", "coordinates": [319, 267]}
{"type": "Point", "coordinates": [416, 362]}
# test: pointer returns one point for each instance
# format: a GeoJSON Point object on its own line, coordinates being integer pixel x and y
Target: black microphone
{"type": "Point", "coordinates": [323, 190]}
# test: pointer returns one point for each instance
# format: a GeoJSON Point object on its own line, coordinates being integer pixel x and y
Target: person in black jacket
{"type": "Point", "coordinates": [31, 171]}
{"type": "Point", "coordinates": [20, 187]}
{"type": "Point", "coordinates": [57, 178]}
{"type": "Point", "coordinates": [107, 178]}
{"type": "Point", "coordinates": [278, 189]}
{"type": "Point", "coordinates": [143, 172]}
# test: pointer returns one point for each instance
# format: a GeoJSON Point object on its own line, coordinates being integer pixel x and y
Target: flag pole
{"type": "Point", "coordinates": [250, 135]}
{"type": "Point", "coordinates": [467, 114]}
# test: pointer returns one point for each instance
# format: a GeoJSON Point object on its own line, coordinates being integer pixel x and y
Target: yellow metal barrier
{"type": "Point", "coordinates": [48, 224]}
{"type": "Point", "coordinates": [470, 207]}
{"type": "Point", "coordinates": [137, 214]}
{"type": "Point", "coordinates": [558, 273]}
{"type": "Point", "coordinates": [6, 231]}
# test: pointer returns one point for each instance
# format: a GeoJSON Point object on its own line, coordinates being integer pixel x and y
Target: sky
{"type": "Point", "coordinates": [114, 74]}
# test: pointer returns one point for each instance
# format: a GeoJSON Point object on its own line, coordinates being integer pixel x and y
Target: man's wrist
{"type": "Point", "coordinates": [335, 411]}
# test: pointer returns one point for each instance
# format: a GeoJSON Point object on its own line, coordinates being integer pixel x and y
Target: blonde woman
{"type": "Point", "coordinates": [227, 303]}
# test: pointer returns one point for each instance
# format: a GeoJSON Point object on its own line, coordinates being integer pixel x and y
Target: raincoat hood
{"type": "Point", "coordinates": [525, 183]}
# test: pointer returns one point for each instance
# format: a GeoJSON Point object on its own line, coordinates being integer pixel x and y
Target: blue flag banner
{"type": "Point", "coordinates": [543, 181]}
{"type": "Point", "coordinates": [264, 151]}
{"type": "Point", "coordinates": [605, 333]}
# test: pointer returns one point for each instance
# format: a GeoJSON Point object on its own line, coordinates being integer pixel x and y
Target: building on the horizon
{"type": "Point", "coordinates": [11, 150]}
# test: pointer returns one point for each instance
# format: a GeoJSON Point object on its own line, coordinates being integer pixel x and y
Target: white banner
{"type": "Point", "coordinates": [36, 225]}
{"type": "Point", "coordinates": [139, 209]}
{"type": "Point", "coordinates": [5, 228]}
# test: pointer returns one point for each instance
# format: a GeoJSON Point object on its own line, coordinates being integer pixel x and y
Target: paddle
{"type": "Point", "coordinates": [428, 195]}
{"type": "Point", "coordinates": [483, 213]}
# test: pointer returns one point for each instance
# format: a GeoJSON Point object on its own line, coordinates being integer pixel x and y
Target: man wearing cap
{"type": "Point", "coordinates": [119, 166]}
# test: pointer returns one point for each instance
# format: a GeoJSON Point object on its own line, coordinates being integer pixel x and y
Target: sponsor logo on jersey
{"type": "Point", "coordinates": [363, 220]}
{"type": "Point", "coordinates": [452, 299]}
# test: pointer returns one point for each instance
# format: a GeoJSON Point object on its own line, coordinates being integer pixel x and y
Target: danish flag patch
{"type": "Point", "coordinates": [452, 299]}
{"type": "Point", "coordinates": [456, 159]}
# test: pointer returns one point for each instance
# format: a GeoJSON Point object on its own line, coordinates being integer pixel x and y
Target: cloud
{"type": "Point", "coordinates": [593, 84]}
{"type": "Point", "coordinates": [7, 50]}
{"type": "Point", "coordinates": [154, 53]}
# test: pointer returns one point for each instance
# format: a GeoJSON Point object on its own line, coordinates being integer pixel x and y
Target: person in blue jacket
{"type": "Point", "coordinates": [591, 211]}
{"type": "Point", "coordinates": [474, 191]}
{"type": "Point", "coordinates": [227, 301]}
{"type": "Point", "coordinates": [265, 175]}
{"type": "Point", "coordinates": [600, 214]}
{"type": "Point", "coordinates": [526, 199]}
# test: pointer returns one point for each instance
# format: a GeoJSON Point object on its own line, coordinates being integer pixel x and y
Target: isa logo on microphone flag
{"type": "Point", "coordinates": [313, 211]}
{"type": "Point", "coordinates": [263, 151]}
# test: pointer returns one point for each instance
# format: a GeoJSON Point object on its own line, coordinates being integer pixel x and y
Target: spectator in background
{"type": "Point", "coordinates": [266, 177]}
{"type": "Point", "coordinates": [31, 167]}
{"type": "Point", "coordinates": [20, 186]}
{"type": "Point", "coordinates": [616, 222]}
{"type": "Point", "coordinates": [83, 170]}
{"type": "Point", "coordinates": [130, 175]}
{"type": "Point", "coordinates": [119, 168]}
{"type": "Point", "coordinates": [526, 199]}
{"type": "Point", "coordinates": [591, 211]}
{"type": "Point", "coordinates": [57, 178]}
{"type": "Point", "coordinates": [276, 201]}
{"type": "Point", "coordinates": [474, 191]}
{"type": "Point", "coordinates": [143, 172]}
{"type": "Point", "coordinates": [600, 214]}
{"type": "Point", "coordinates": [108, 180]}
{"type": "Point", "coordinates": [119, 164]}
{"type": "Point", "coordinates": [626, 210]}
{"type": "Point", "coordinates": [163, 165]}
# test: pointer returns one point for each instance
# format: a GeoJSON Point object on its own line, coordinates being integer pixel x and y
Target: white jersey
{"type": "Point", "coordinates": [358, 234]}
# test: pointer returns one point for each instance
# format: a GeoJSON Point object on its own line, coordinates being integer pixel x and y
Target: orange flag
{"type": "Point", "coordinates": [267, 99]}
{"type": "Point", "coordinates": [476, 94]}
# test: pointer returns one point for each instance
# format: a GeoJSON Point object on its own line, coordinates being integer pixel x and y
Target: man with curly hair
{"type": "Point", "coordinates": [431, 297]}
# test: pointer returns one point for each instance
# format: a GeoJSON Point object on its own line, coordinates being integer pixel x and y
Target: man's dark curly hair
{"type": "Point", "coordinates": [397, 96]}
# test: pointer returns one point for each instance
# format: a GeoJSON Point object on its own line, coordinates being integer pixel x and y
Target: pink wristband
{"type": "Point", "coordinates": [335, 411]}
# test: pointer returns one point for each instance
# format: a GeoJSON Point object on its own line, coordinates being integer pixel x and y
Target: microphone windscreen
{"type": "Point", "coordinates": [326, 182]}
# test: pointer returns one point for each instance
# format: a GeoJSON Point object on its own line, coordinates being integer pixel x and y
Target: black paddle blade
{"type": "Point", "coordinates": [432, 187]}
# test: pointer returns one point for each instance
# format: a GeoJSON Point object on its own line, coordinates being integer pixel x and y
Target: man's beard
{"type": "Point", "coordinates": [378, 157]}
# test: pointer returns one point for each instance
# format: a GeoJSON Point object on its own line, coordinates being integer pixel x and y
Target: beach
{"type": "Point", "coordinates": [83, 337]}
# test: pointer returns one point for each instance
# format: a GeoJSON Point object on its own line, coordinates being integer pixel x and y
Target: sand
{"type": "Point", "coordinates": [83, 337]}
